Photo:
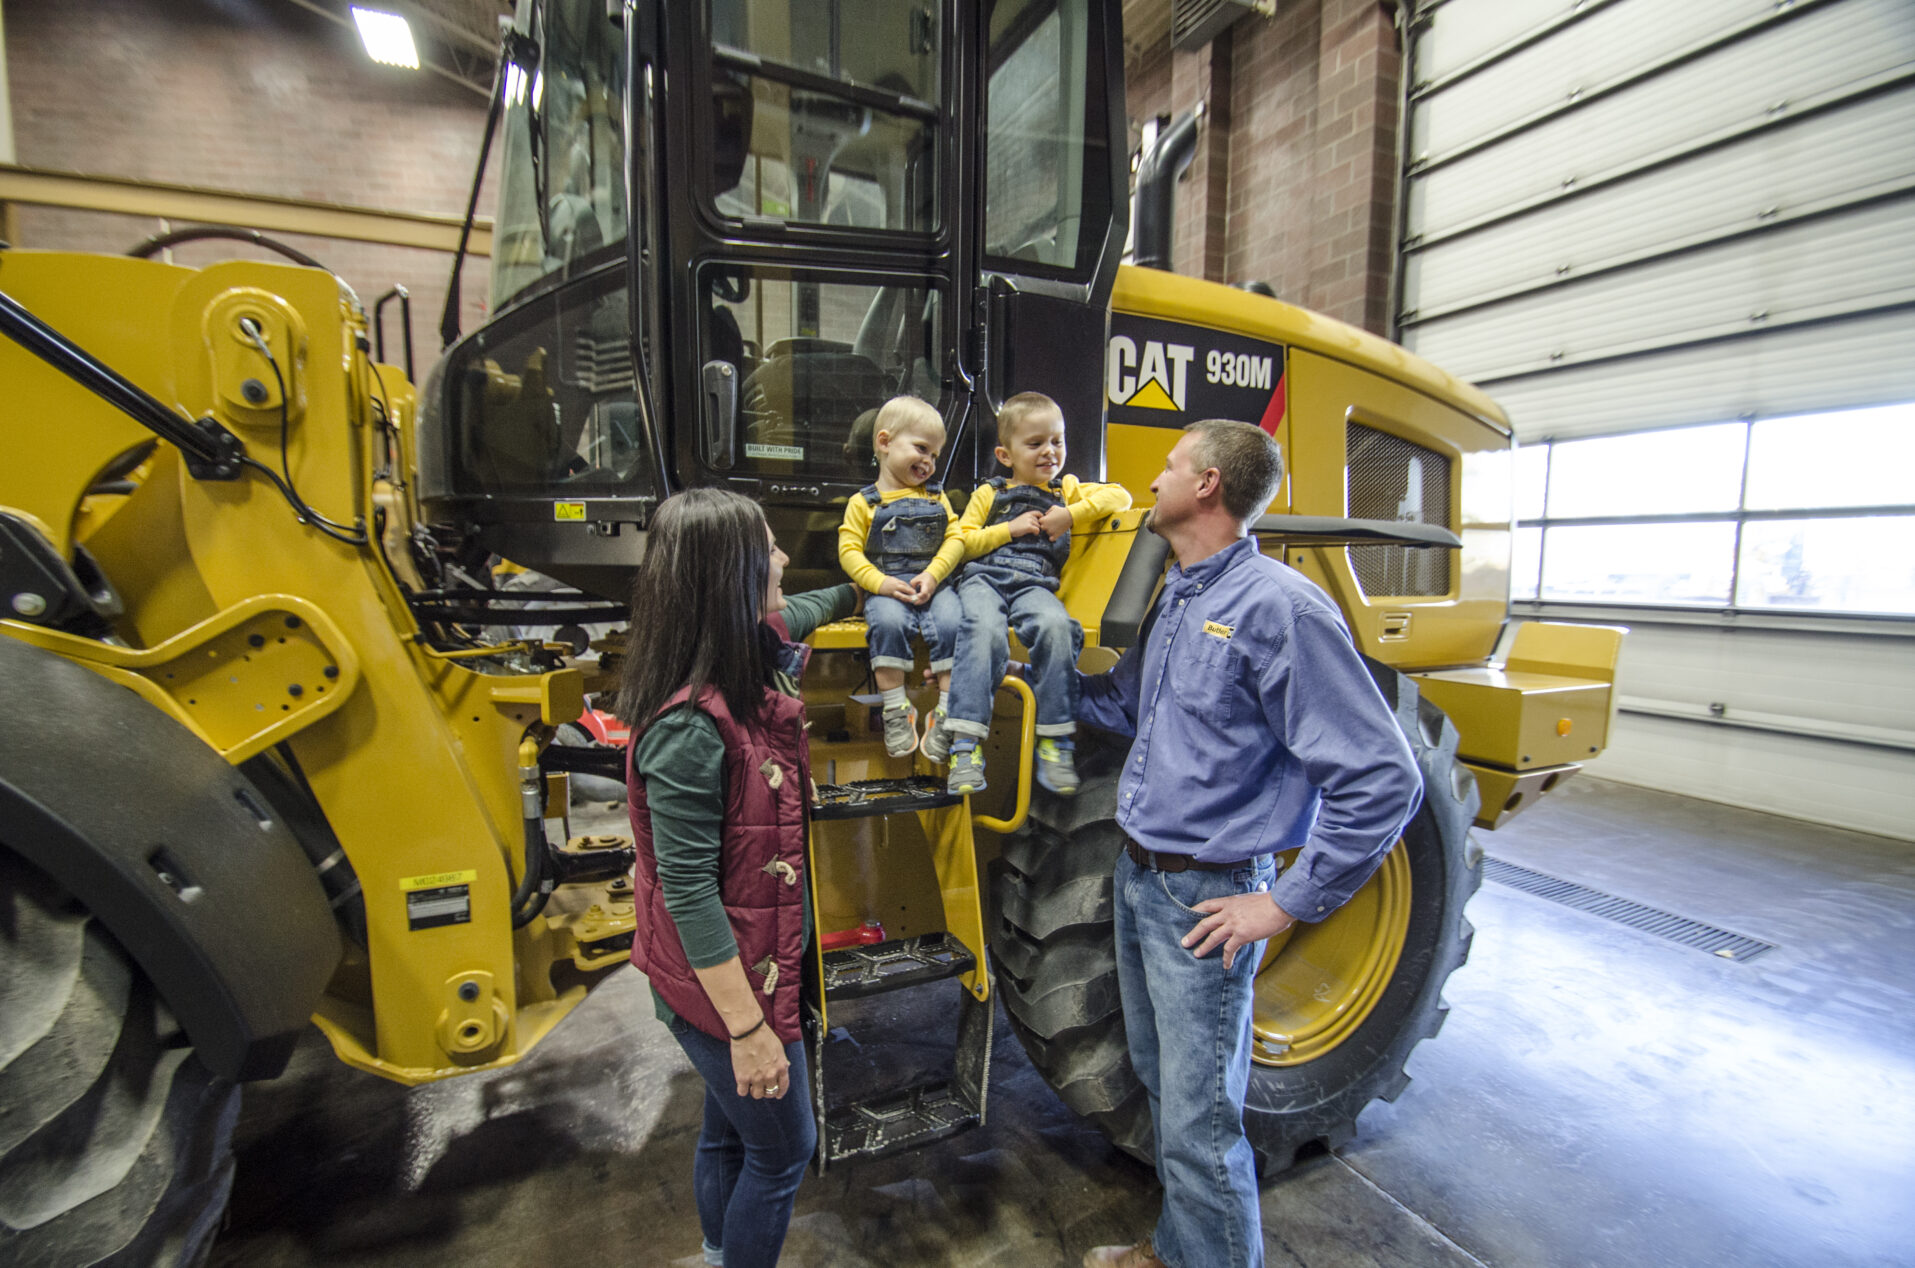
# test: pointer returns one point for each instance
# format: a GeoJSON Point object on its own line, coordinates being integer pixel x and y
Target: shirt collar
{"type": "Point", "coordinates": [1206, 570]}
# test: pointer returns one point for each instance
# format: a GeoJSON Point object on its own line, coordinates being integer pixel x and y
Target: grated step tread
{"type": "Point", "coordinates": [857, 972]}
{"type": "Point", "coordinates": [866, 798]}
{"type": "Point", "coordinates": [896, 1121]}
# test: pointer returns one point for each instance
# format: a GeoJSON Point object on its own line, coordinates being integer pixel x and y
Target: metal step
{"type": "Point", "coordinates": [878, 1120]}
{"type": "Point", "coordinates": [855, 972]}
{"type": "Point", "coordinates": [865, 798]}
{"type": "Point", "coordinates": [895, 1122]}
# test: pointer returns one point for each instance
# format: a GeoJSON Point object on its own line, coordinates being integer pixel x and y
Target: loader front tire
{"type": "Point", "coordinates": [1335, 1018]}
{"type": "Point", "coordinates": [115, 1141]}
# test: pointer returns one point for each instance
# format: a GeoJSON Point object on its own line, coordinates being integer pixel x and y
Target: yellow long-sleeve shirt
{"type": "Point", "coordinates": [856, 528]}
{"type": "Point", "coordinates": [1088, 503]}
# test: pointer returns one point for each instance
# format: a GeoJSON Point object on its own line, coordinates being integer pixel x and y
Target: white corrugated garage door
{"type": "Point", "coordinates": [1643, 213]}
{"type": "Point", "coordinates": [1629, 215]}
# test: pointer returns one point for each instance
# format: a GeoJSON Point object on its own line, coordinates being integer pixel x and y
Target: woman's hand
{"type": "Point", "coordinates": [758, 1064]}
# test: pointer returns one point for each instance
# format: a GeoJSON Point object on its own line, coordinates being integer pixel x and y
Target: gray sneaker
{"type": "Point", "coordinates": [967, 774]}
{"type": "Point", "coordinates": [1056, 768]}
{"type": "Point", "coordinates": [900, 730]}
{"type": "Point", "coordinates": [936, 745]}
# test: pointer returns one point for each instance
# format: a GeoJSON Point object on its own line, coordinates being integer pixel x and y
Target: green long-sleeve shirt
{"type": "Point", "coordinates": [683, 763]}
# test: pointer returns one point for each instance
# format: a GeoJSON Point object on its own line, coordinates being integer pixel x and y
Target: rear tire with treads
{"type": "Point", "coordinates": [1056, 966]}
{"type": "Point", "coordinates": [115, 1142]}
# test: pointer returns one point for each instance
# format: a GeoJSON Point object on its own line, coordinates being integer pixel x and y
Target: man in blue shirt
{"type": "Point", "coordinates": [1256, 729]}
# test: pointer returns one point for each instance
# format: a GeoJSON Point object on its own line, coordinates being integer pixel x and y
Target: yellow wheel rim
{"type": "Point", "coordinates": [1319, 982]}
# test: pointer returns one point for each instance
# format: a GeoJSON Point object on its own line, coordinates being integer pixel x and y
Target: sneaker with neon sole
{"type": "Point", "coordinates": [967, 773]}
{"type": "Point", "coordinates": [1056, 767]}
{"type": "Point", "coordinates": [936, 745]}
{"type": "Point", "coordinates": [900, 730]}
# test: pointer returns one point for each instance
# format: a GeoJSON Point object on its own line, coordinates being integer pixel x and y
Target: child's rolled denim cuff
{"type": "Point", "coordinates": [963, 726]}
{"type": "Point", "coordinates": [1057, 730]}
{"type": "Point", "coordinates": [891, 662]}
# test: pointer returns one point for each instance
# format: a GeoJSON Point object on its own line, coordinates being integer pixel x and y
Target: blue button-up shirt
{"type": "Point", "coordinates": [1257, 729]}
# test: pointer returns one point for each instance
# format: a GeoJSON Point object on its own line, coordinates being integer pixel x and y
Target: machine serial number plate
{"type": "Point", "coordinates": [443, 898]}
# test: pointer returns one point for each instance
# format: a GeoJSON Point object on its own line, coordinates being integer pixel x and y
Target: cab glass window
{"type": "Point", "coordinates": [562, 182]}
{"type": "Point", "coordinates": [1043, 129]}
{"type": "Point", "coordinates": [826, 113]}
{"type": "Point", "coordinates": [544, 399]}
{"type": "Point", "coordinates": [798, 364]}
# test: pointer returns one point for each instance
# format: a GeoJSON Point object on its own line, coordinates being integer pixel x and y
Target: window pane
{"type": "Point", "coordinates": [1864, 564]}
{"type": "Point", "coordinates": [1639, 563]}
{"type": "Point", "coordinates": [814, 360]}
{"type": "Point", "coordinates": [789, 154]}
{"type": "Point", "coordinates": [871, 43]}
{"type": "Point", "coordinates": [1670, 472]}
{"type": "Point", "coordinates": [1036, 133]}
{"type": "Point", "coordinates": [1525, 562]}
{"type": "Point", "coordinates": [544, 399]}
{"type": "Point", "coordinates": [1863, 457]}
{"type": "Point", "coordinates": [562, 187]}
{"type": "Point", "coordinates": [1532, 468]}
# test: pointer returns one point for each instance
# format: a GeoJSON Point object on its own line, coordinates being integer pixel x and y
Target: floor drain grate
{"type": "Point", "coordinates": [1679, 929]}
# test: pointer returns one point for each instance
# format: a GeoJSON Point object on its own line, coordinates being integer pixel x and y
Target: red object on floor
{"type": "Point", "coordinates": [864, 935]}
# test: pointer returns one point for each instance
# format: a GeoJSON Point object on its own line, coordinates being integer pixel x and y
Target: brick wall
{"type": "Point", "coordinates": [1295, 178]}
{"type": "Point", "coordinates": [261, 98]}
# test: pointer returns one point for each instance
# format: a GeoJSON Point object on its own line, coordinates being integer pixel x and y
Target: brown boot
{"type": "Point", "coordinates": [1139, 1256]}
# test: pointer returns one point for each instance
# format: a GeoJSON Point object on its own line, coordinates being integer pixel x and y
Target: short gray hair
{"type": "Point", "coordinates": [1249, 464]}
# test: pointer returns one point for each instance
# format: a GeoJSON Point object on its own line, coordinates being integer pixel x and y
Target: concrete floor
{"type": "Point", "coordinates": [1598, 1097]}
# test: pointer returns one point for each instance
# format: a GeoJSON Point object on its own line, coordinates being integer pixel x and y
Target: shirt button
{"type": "Point", "coordinates": [1180, 602]}
{"type": "Point", "coordinates": [1319, 909]}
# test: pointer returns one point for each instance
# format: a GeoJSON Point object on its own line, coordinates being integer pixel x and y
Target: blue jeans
{"type": "Point", "coordinates": [890, 623]}
{"type": "Point", "coordinates": [1188, 1023]}
{"type": "Point", "coordinates": [997, 600]}
{"type": "Point", "coordinates": [751, 1154]}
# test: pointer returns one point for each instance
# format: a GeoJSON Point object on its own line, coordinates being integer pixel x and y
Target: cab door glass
{"type": "Point", "coordinates": [825, 112]}
{"type": "Point", "coordinates": [1041, 193]}
{"type": "Point", "coordinates": [797, 364]}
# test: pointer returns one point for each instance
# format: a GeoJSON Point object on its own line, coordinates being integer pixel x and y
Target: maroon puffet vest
{"type": "Point", "coordinates": [762, 869]}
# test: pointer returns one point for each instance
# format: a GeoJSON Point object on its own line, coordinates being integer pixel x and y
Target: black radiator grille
{"type": "Point", "coordinates": [1388, 478]}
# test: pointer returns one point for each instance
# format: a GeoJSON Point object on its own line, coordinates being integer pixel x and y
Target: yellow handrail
{"type": "Point", "coordinates": [1026, 747]}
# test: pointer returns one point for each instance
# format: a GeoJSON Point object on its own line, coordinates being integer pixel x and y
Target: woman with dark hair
{"type": "Point", "coordinates": [719, 779]}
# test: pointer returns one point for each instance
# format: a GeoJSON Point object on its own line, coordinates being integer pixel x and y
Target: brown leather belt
{"type": "Point", "coordinates": [1179, 862]}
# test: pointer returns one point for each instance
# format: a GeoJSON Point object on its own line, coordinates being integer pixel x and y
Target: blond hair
{"type": "Point", "coordinates": [1019, 410]}
{"type": "Point", "coordinates": [901, 414]}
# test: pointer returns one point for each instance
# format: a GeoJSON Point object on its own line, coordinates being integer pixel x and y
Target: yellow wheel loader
{"type": "Point", "coordinates": [273, 753]}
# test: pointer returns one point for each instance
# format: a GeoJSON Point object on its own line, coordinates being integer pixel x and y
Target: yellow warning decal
{"type": "Point", "coordinates": [569, 511]}
{"type": "Point", "coordinates": [437, 880]}
{"type": "Point", "coordinates": [1219, 631]}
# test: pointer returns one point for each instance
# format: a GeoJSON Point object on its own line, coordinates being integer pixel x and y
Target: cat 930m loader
{"type": "Point", "coordinates": [271, 757]}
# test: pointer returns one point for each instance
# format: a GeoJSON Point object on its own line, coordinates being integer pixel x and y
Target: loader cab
{"type": "Point", "coordinates": [728, 231]}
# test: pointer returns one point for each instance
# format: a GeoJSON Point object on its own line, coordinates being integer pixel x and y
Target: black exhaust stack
{"type": "Point", "coordinates": [1157, 173]}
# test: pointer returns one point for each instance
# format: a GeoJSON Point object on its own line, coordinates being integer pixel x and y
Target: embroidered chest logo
{"type": "Point", "coordinates": [1216, 630]}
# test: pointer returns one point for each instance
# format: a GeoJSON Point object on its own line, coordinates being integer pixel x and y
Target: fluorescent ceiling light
{"type": "Point", "coordinates": [388, 37]}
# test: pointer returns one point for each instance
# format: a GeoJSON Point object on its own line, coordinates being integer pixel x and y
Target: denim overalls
{"type": "Point", "coordinates": [1015, 587]}
{"type": "Point", "coordinates": [905, 536]}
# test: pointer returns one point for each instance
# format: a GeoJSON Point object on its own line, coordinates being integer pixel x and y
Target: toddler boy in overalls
{"type": "Point", "coordinates": [899, 540]}
{"type": "Point", "coordinates": [1017, 539]}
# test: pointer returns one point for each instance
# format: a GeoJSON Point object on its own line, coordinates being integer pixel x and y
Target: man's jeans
{"type": "Point", "coordinates": [889, 624]}
{"type": "Point", "coordinates": [983, 651]}
{"type": "Point", "coordinates": [1188, 1022]}
{"type": "Point", "coordinates": [751, 1153]}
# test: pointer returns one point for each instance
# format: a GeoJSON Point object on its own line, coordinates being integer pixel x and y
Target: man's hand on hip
{"type": "Point", "coordinates": [1236, 922]}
